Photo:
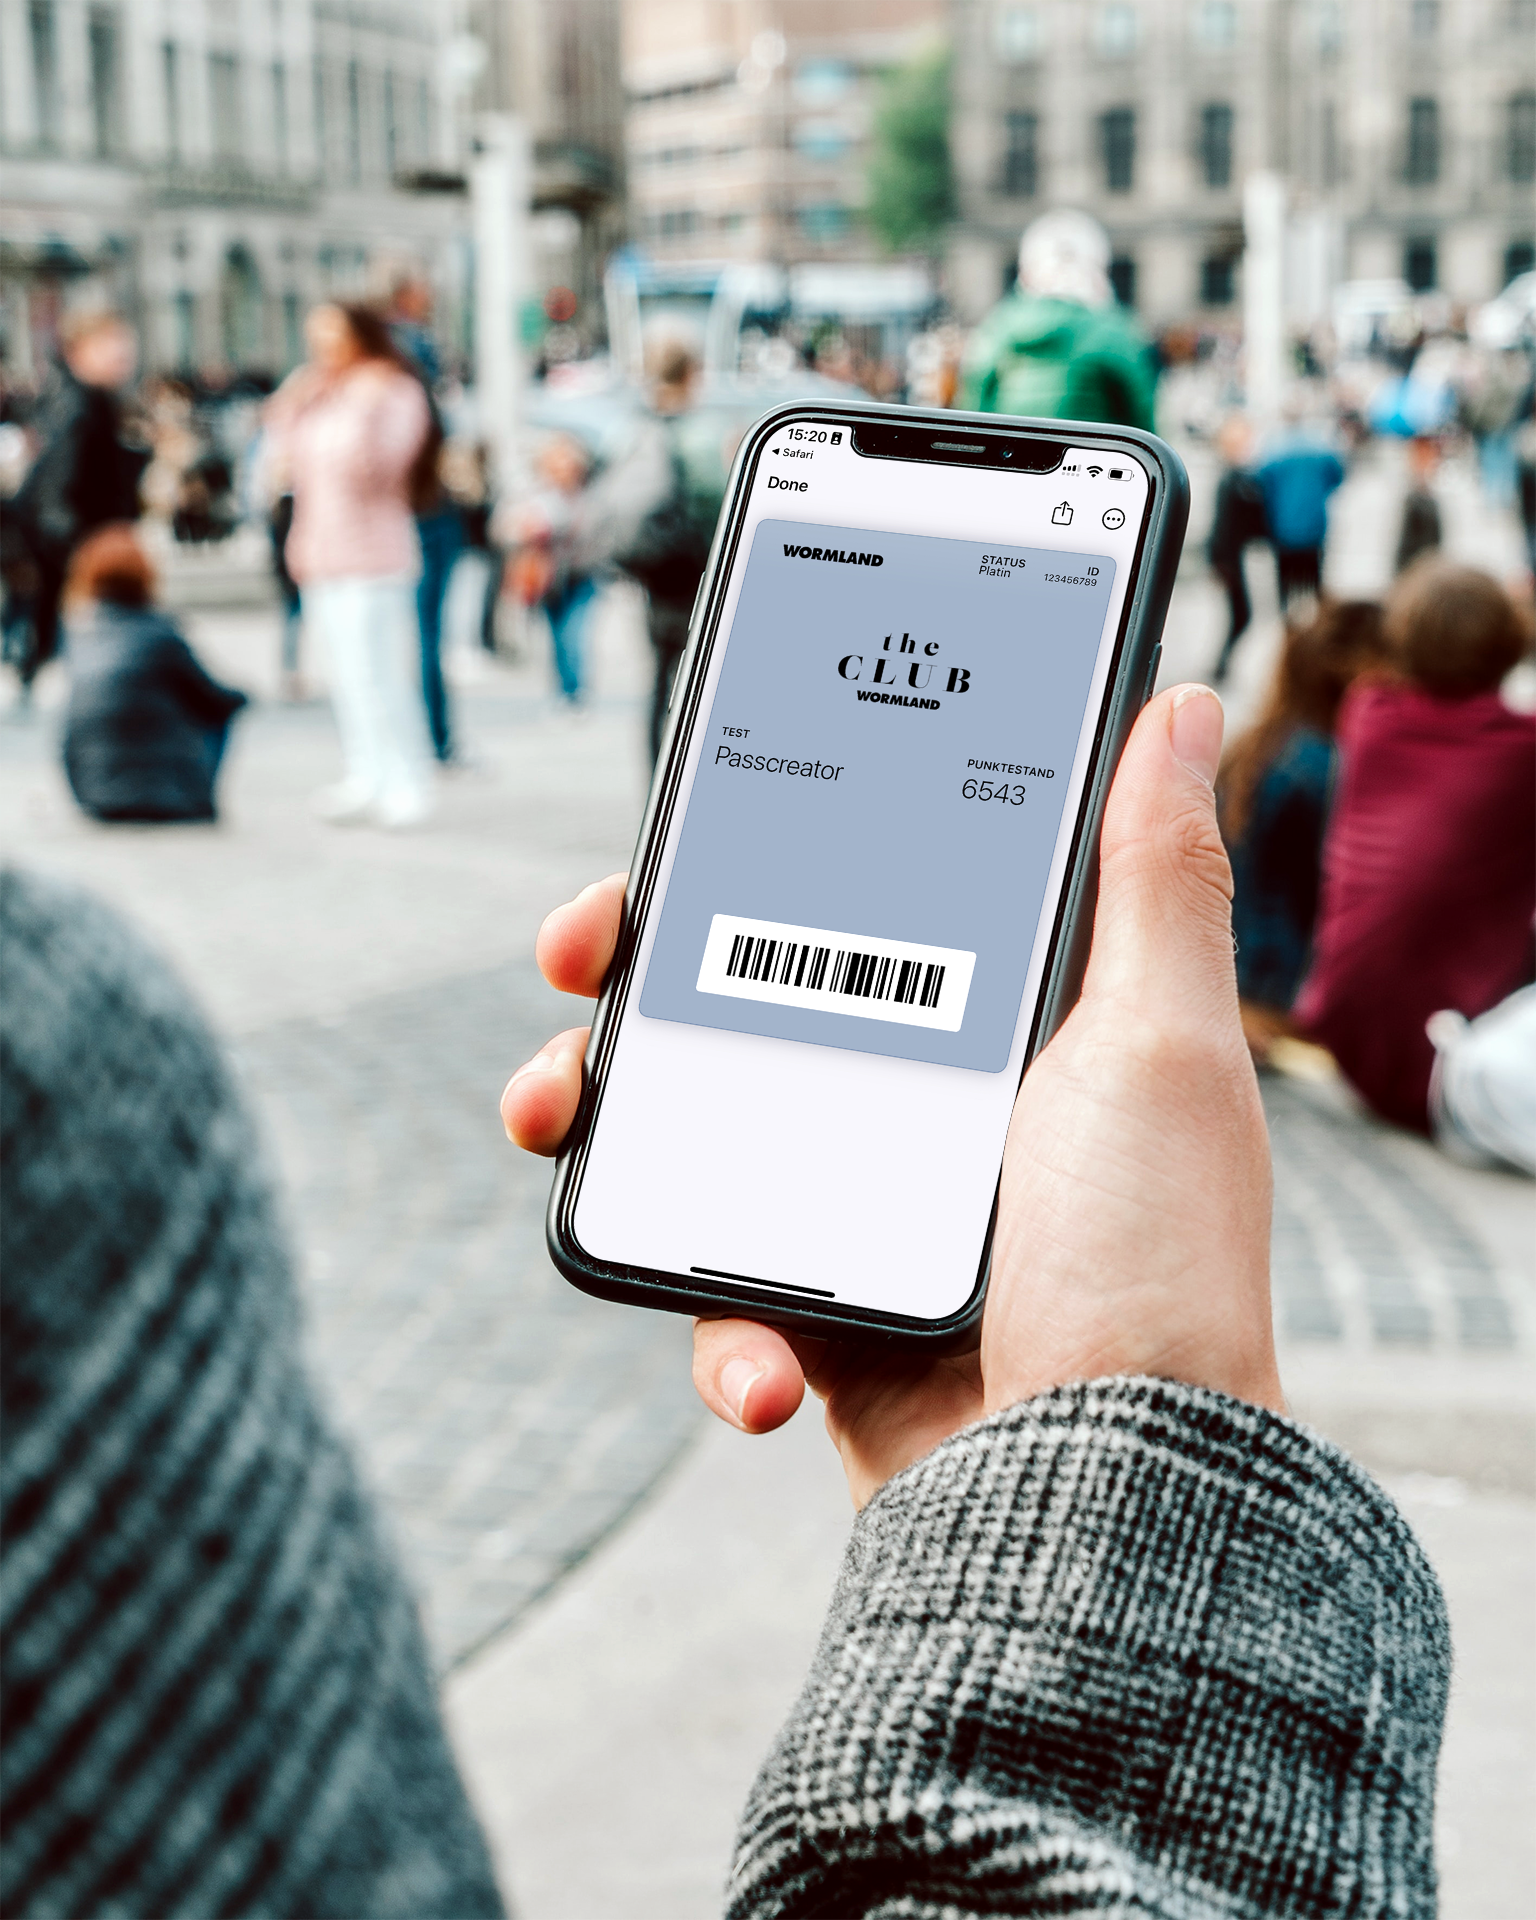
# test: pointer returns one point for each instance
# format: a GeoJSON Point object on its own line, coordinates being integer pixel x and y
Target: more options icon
{"type": "Point", "coordinates": [1114, 518]}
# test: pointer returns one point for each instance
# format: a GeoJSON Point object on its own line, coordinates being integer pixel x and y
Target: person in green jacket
{"type": "Point", "coordinates": [1058, 347]}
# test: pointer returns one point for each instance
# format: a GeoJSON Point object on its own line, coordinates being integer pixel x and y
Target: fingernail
{"type": "Point", "coordinates": [1195, 731]}
{"type": "Point", "coordinates": [737, 1379]}
{"type": "Point", "coordinates": [541, 1062]}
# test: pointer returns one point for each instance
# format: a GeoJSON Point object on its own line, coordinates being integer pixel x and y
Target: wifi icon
{"type": "Point", "coordinates": [1093, 472]}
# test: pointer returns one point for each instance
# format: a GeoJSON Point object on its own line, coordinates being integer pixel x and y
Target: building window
{"type": "Point", "coordinates": [280, 116]}
{"type": "Point", "coordinates": [1117, 31]}
{"type": "Point", "coordinates": [170, 80]}
{"type": "Point", "coordinates": [1420, 267]}
{"type": "Point", "coordinates": [106, 85]}
{"type": "Point", "coordinates": [676, 221]}
{"type": "Point", "coordinates": [45, 71]}
{"type": "Point", "coordinates": [824, 222]}
{"type": "Point", "coordinates": [1117, 138]}
{"type": "Point", "coordinates": [1330, 156]}
{"type": "Point", "coordinates": [293, 331]}
{"type": "Point", "coordinates": [1330, 27]}
{"type": "Point", "coordinates": [1424, 19]}
{"type": "Point", "coordinates": [1218, 280]}
{"type": "Point", "coordinates": [1520, 138]}
{"type": "Point", "coordinates": [822, 83]}
{"type": "Point", "coordinates": [224, 104]}
{"type": "Point", "coordinates": [184, 313]}
{"type": "Point", "coordinates": [1020, 34]}
{"type": "Point", "coordinates": [1519, 257]}
{"type": "Point", "coordinates": [322, 123]}
{"type": "Point", "coordinates": [354, 123]}
{"type": "Point", "coordinates": [1021, 156]}
{"type": "Point", "coordinates": [1215, 25]}
{"type": "Point", "coordinates": [1122, 277]}
{"type": "Point", "coordinates": [391, 126]}
{"type": "Point", "coordinates": [820, 138]}
{"type": "Point", "coordinates": [1423, 168]}
{"type": "Point", "coordinates": [1216, 143]}
{"type": "Point", "coordinates": [423, 119]}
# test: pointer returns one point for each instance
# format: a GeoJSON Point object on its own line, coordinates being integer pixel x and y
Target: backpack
{"type": "Point", "coordinates": [669, 549]}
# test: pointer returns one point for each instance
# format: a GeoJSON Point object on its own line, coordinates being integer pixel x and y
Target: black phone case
{"type": "Point", "coordinates": [1133, 671]}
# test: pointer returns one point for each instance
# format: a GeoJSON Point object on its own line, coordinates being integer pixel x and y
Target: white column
{"type": "Point", "coordinates": [77, 133]}
{"type": "Point", "coordinates": [500, 179]}
{"type": "Point", "coordinates": [143, 116]}
{"type": "Point", "coordinates": [18, 103]}
{"type": "Point", "coordinates": [1264, 295]}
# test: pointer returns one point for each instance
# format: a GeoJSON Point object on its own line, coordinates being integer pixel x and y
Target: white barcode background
{"type": "Point", "coordinates": [848, 973]}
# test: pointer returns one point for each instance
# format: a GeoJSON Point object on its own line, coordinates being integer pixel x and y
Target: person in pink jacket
{"type": "Point", "coordinates": [355, 434]}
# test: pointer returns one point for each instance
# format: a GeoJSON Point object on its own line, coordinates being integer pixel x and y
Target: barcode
{"type": "Point", "coordinates": [870, 976]}
{"type": "Point", "coordinates": [818, 969]}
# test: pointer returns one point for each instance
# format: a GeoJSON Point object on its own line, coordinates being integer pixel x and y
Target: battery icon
{"type": "Point", "coordinates": [837, 439]}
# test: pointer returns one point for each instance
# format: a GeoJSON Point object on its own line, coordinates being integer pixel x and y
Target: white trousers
{"type": "Point", "coordinates": [1482, 1093]}
{"type": "Point", "coordinates": [373, 653]}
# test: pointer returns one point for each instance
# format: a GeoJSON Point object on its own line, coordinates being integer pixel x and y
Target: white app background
{"type": "Point", "coordinates": [754, 1129]}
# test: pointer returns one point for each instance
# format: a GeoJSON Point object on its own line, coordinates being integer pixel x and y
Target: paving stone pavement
{"type": "Point", "coordinates": [377, 990]}
{"type": "Point", "coordinates": [507, 1420]}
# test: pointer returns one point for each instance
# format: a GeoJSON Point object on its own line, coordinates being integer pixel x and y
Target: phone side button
{"type": "Point", "coordinates": [1152, 666]}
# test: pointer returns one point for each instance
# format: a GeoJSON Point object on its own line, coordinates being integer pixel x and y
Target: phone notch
{"type": "Point", "coordinates": [899, 440]}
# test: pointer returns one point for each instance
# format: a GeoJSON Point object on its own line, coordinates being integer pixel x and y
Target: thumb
{"type": "Point", "coordinates": [1162, 940]}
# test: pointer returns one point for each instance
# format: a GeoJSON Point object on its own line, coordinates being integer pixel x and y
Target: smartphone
{"type": "Point", "coordinates": [863, 888]}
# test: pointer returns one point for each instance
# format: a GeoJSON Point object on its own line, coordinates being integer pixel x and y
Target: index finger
{"type": "Point", "coordinates": [576, 942]}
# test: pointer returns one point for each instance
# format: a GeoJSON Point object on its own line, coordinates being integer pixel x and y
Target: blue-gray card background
{"type": "Point", "coordinates": [891, 848]}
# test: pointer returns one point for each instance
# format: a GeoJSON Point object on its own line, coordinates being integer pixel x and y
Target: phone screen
{"type": "Point", "coordinates": [837, 976]}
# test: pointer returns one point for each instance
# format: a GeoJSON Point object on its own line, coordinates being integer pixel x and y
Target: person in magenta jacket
{"type": "Point", "coordinates": [1429, 864]}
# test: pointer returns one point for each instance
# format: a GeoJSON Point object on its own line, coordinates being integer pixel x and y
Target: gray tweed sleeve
{"type": "Point", "coordinates": [1129, 1648]}
{"type": "Point", "coordinates": [214, 1691]}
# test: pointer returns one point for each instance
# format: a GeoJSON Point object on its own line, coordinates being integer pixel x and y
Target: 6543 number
{"type": "Point", "coordinates": [985, 790]}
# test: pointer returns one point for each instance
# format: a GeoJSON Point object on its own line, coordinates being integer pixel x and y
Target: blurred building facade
{"type": "Point", "coordinates": [557, 64]}
{"type": "Point", "coordinates": [214, 166]}
{"type": "Point", "coordinates": [1406, 130]}
{"type": "Point", "coordinates": [749, 123]}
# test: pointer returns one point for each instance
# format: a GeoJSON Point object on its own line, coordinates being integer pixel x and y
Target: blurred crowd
{"type": "Point", "coordinates": [1377, 809]}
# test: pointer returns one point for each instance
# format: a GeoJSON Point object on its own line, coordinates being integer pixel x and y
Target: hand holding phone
{"type": "Point", "coordinates": [1133, 1217]}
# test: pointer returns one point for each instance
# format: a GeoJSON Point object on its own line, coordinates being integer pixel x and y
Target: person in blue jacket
{"type": "Point", "coordinates": [1297, 477]}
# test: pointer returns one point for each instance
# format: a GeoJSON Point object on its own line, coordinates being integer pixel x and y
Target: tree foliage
{"type": "Point", "coordinates": [911, 180]}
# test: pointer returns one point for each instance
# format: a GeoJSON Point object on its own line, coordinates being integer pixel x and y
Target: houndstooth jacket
{"type": "Point", "coordinates": [1129, 1648]}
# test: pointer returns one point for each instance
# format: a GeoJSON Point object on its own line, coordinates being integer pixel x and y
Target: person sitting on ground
{"type": "Point", "coordinates": [1112, 1632]}
{"type": "Point", "coordinates": [1273, 793]}
{"type": "Point", "coordinates": [212, 1678]}
{"type": "Point", "coordinates": [147, 724]}
{"type": "Point", "coordinates": [1429, 863]}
